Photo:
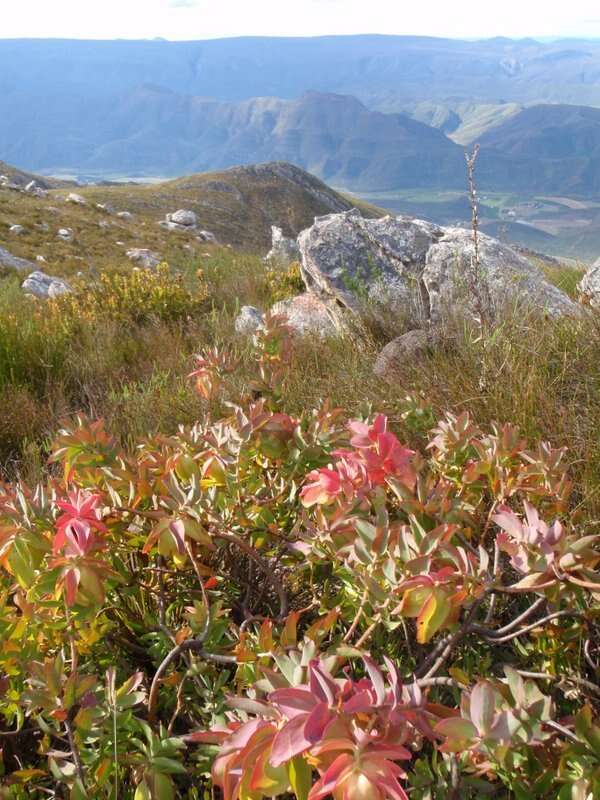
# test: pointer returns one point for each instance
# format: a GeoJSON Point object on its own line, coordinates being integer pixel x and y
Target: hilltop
{"type": "Point", "coordinates": [238, 206]}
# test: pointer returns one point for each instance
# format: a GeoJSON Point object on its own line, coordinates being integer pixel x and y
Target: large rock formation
{"type": "Point", "coordinates": [418, 268]}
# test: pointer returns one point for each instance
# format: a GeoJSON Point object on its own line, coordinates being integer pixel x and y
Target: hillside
{"type": "Point", "coordinates": [153, 131]}
{"type": "Point", "coordinates": [21, 178]}
{"type": "Point", "coordinates": [556, 146]}
{"type": "Point", "coordinates": [238, 206]}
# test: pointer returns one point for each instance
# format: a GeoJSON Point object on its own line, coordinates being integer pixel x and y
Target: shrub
{"type": "Point", "coordinates": [134, 297]}
{"type": "Point", "coordinates": [299, 604]}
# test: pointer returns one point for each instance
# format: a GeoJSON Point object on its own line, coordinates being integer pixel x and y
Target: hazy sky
{"type": "Point", "coordinates": [198, 19]}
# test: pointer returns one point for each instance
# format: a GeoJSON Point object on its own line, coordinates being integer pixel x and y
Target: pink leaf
{"type": "Point", "coordinates": [289, 742]}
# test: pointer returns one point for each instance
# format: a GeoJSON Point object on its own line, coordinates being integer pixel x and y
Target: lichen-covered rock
{"type": "Point", "coordinates": [248, 321]}
{"type": "Point", "coordinates": [9, 261]}
{"type": "Point", "coordinates": [418, 268]}
{"type": "Point", "coordinates": [308, 314]}
{"type": "Point", "coordinates": [284, 250]}
{"type": "Point", "coordinates": [362, 262]}
{"type": "Point", "coordinates": [45, 286]}
{"type": "Point", "coordinates": [506, 278]}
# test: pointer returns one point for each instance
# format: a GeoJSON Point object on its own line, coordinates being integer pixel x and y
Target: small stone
{"type": "Point", "coordinates": [16, 230]}
{"type": "Point", "coordinates": [77, 199]}
{"type": "Point", "coordinates": [248, 321]}
{"type": "Point", "coordinates": [392, 359]}
{"type": "Point", "coordinates": [147, 259]}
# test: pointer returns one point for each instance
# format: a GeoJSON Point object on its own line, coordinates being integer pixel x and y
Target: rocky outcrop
{"type": "Point", "coordinates": [45, 286]}
{"type": "Point", "coordinates": [589, 286]}
{"type": "Point", "coordinates": [8, 261]}
{"type": "Point", "coordinates": [284, 250]}
{"type": "Point", "coordinates": [418, 268]}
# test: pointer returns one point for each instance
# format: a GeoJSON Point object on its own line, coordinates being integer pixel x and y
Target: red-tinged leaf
{"type": "Point", "coordinates": [293, 701]}
{"type": "Point", "coordinates": [289, 742]}
{"type": "Point", "coordinates": [265, 637]}
{"type": "Point", "coordinates": [289, 635]}
{"type": "Point", "coordinates": [376, 679]}
{"type": "Point", "coordinates": [531, 581]}
{"type": "Point", "coordinates": [71, 584]}
{"type": "Point", "coordinates": [317, 721]}
{"type": "Point", "coordinates": [330, 781]}
{"type": "Point", "coordinates": [322, 626]}
{"type": "Point", "coordinates": [322, 685]}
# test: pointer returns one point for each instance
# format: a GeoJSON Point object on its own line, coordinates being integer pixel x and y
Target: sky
{"type": "Point", "coordinates": [203, 19]}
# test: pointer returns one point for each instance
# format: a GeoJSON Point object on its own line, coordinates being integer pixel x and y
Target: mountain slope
{"type": "Point", "coordinates": [556, 146]}
{"type": "Point", "coordinates": [239, 206]}
{"type": "Point", "coordinates": [152, 131]}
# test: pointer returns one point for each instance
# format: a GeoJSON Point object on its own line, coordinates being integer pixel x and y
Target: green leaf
{"type": "Point", "coordinates": [300, 775]}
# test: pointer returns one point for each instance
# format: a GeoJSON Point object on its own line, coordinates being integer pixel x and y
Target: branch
{"type": "Point", "coordinates": [252, 553]}
{"type": "Point", "coordinates": [189, 646]}
{"type": "Point", "coordinates": [494, 637]}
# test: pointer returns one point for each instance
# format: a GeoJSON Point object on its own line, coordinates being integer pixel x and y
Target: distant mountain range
{"type": "Point", "coordinates": [365, 113]}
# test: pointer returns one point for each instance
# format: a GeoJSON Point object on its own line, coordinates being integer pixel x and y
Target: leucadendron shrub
{"type": "Point", "coordinates": [266, 604]}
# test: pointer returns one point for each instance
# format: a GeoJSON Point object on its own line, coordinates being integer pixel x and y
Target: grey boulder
{"type": "Point", "coordinates": [76, 199]}
{"type": "Point", "coordinates": [182, 220]}
{"type": "Point", "coordinates": [505, 278]}
{"type": "Point", "coordinates": [417, 268]}
{"type": "Point", "coordinates": [8, 261]}
{"type": "Point", "coordinates": [45, 286]}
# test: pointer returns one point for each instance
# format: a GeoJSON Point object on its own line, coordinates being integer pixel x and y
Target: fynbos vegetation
{"type": "Point", "coordinates": [272, 603]}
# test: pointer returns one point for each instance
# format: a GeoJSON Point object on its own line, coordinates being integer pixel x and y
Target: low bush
{"type": "Point", "coordinates": [273, 602]}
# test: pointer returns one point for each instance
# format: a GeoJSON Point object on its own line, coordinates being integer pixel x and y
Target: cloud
{"type": "Point", "coordinates": [183, 3]}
